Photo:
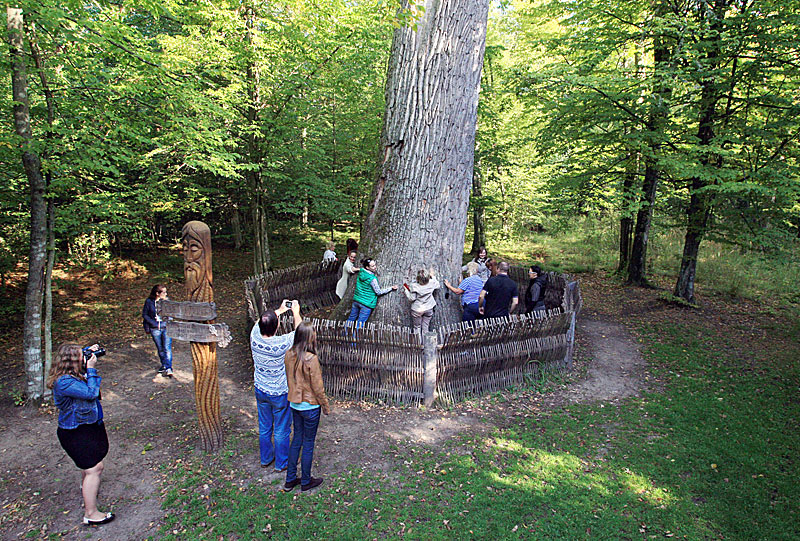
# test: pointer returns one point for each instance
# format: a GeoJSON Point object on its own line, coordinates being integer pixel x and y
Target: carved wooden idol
{"type": "Point", "coordinates": [196, 239]}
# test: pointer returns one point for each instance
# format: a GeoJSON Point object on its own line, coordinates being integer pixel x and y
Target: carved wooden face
{"type": "Point", "coordinates": [196, 238]}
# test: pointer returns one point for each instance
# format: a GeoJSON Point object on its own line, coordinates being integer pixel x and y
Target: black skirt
{"type": "Point", "coordinates": [86, 445]}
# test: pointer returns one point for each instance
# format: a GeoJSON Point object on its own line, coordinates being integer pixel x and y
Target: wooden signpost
{"type": "Point", "coordinates": [200, 329]}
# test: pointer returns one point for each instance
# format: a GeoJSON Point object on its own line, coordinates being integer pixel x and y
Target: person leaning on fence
{"type": "Point", "coordinates": [306, 397]}
{"type": "Point", "coordinates": [271, 388]}
{"type": "Point", "coordinates": [420, 293]}
{"type": "Point", "coordinates": [470, 290]}
{"type": "Point", "coordinates": [330, 254]}
{"type": "Point", "coordinates": [498, 293]}
{"type": "Point", "coordinates": [367, 292]}
{"type": "Point", "coordinates": [348, 269]}
{"type": "Point", "coordinates": [537, 285]}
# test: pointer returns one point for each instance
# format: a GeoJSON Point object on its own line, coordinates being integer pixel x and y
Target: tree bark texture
{"type": "Point", "coordinates": [32, 328]}
{"type": "Point", "coordinates": [196, 239]}
{"type": "Point", "coordinates": [699, 210]}
{"type": "Point", "coordinates": [419, 203]}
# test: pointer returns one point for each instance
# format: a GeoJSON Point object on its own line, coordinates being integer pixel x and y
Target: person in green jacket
{"type": "Point", "coordinates": [367, 292]}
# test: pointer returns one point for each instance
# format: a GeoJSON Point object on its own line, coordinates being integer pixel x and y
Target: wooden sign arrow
{"type": "Point", "coordinates": [189, 311]}
{"type": "Point", "coordinates": [199, 332]}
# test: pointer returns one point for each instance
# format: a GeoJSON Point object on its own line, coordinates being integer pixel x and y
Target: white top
{"type": "Point", "coordinates": [347, 270]}
{"type": "Point", "coordinates": [421, 297]}
{"type": "Point", "coordinates": [329, 255]}
{"type": "Point", "coordinates": [268, 361]}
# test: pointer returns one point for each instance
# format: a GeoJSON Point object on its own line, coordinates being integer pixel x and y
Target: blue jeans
{"type": "Point", "coordinates": [164, 347]}
{"type": "Point", "coordinates": [470, 312]}
{"type": "Point", "coordinates": [273, 409]}
{"type": "Point", "coordinates": [305, 432]}
{"type": "Point", "coordinates": [359, 313]}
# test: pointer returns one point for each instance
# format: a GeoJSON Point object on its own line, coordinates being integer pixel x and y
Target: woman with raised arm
{"type": "Point", "coordinates": [367, 292]}
{"type": "Point", "coordinates": [81, 432]}
{"type": "Point", "coordinates": [306, 399]}
{"type": "Point", "coordinates": [420, 293]}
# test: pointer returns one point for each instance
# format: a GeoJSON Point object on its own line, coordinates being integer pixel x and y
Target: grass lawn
{"type": "Point", "coordinates": [711, 454]}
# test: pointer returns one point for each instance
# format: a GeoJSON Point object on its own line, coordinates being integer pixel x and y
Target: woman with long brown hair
{"type": "Point", "coordinates": [306, 398]}
{"type": "Point", "coordinates": [81, 432]}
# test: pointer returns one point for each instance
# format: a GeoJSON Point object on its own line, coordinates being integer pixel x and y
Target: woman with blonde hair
{"type": "Point", "coordinates": [81, 432]}
{"type": "Point", "coordinates": [420, 293]}
{"type": "Point", "coordinates": [306, 398]}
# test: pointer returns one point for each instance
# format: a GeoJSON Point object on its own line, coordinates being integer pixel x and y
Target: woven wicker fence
{"type": "Point", "coordinates": [460, 360]}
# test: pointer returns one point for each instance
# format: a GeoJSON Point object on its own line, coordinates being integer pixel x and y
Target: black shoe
{"type": "Point", "coordinates": [289, 485]}
{"type": "Point", "coordinates": [314, 483]}
{"type": "Point", "coordinates": [268, 464]}
{"type": "Point", "coordinates": [89, 522]}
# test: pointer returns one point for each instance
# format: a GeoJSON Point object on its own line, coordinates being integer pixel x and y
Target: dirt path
{"type": "Point", "coordinates": [616, 367]}
{"type": "Point", "coordinates": [151, 419]}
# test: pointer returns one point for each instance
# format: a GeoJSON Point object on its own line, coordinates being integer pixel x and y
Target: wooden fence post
{"type": "Point", "coordinates": [570, 341]}
{"type": "Point", "coordinates": [429, 343]}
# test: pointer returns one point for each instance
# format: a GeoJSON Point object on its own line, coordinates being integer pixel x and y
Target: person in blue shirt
{"type": "Point", "coordinates": [470, 290]}
{"type": "Point", "coordinates": [81, 432]}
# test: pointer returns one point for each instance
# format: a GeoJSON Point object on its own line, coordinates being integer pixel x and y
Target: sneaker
{"type": "Point", "coordinates": [289, 485]}
{"type": "Point", "coordinates": [314, 483]}
{"type": "Point", "coordinates": [162, 370]}
{"type": "Point", "coordinates": [167, 373]}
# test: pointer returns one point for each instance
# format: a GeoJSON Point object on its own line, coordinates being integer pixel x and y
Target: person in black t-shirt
{"type": "Point", "coordinates": [498, 293]}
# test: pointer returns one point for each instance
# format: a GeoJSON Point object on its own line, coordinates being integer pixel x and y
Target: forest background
{"type": "Point", "coordinates": [659, 139]}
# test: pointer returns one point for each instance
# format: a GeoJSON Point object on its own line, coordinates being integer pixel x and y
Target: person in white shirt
{"type": "Point", "coordinates": [272, 391]}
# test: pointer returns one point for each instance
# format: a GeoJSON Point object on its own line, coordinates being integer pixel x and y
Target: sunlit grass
{"type": "Point", "coordinates": [590, 245]}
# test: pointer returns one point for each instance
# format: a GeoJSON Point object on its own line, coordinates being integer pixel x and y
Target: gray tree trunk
{"type": "Point", "coordinates": [419, 204]}
{"type": "Point", "coordinates": [32, 328]}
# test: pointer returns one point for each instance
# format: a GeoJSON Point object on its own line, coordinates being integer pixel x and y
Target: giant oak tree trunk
{"type": "Point", "coordinates": [419, 204]}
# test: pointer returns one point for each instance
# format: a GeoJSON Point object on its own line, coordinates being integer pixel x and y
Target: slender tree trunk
{"type": "Point", "coordinates": [699, 210]}
{"type": "Point", "coordinates": [48, 294]}
{"type": "Point", "coordinates": [626, 222]}
{"type": "Point", "coordinates": [261, 255]}
{"type": "Point", "coordinates": [32, 328]}
{"type": "Point", "coordinates": [656, 123]}
{"type": "Point", "coordinates": [236, 225]}
{"type": "Point", "coordinates": [418, 214]}
{"type": "Point", "coordinates": [478, 212]}
{"type": "Point", "coordinates": [51, 213]}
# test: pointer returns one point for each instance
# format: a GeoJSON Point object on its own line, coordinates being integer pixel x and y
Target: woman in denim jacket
{"type": "Point", "coordinates": [155, 327]}
{"type": "Point", "coordinates": [81, 431]}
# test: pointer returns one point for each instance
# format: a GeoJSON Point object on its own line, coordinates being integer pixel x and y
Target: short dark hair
{"type": "Point", "coordinates": [268, 323]}
{"type": "Point", "coordinates": [536, 268]}
{"type": "Point", "coordinates": [503, 266]}
{"type": "Point", "coordinates": [366, 262]}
